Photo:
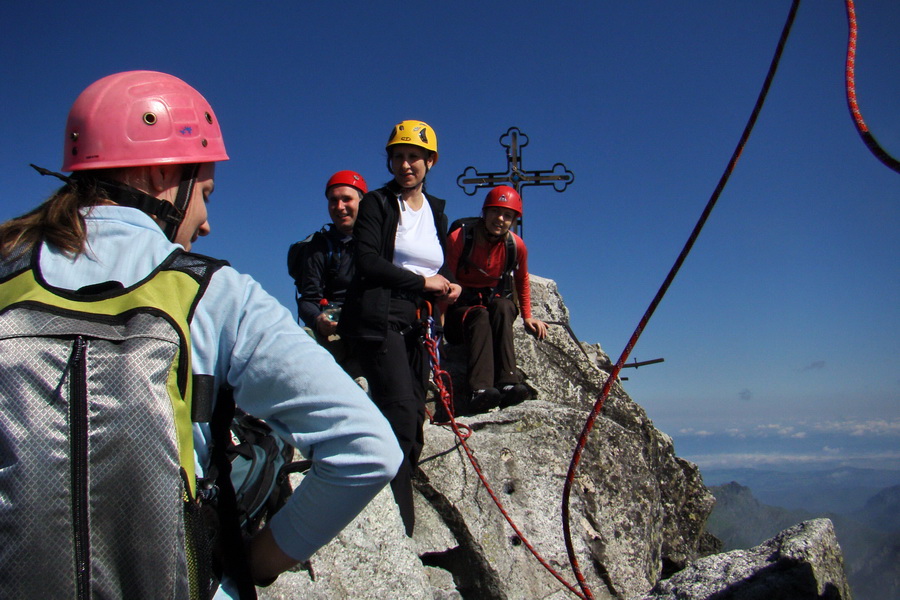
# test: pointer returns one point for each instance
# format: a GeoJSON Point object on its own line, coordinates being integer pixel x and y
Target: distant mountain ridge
{"type": "Point", "coordinates": [869, 537]}
{"type": "Point", "coordinates": [881, 510]}
{"type": "Point", "coordinates": [842, 490]}
{"type": "Point", "coordinates": [739, 520]}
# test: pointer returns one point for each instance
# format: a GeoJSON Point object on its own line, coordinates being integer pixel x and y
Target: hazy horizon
{"type": "Point", "coordinates": [806, 443]}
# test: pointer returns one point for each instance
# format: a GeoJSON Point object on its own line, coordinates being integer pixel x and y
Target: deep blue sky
{"type": "Point", "coordinates": [785, 314]}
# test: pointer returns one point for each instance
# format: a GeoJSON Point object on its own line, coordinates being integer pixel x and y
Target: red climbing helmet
{"type": "Point", "coordinates": [504, 196]}
{"type": "Point", "coordinates": [140, 118]}
{"type": "Point", "coordinates": [351, 178]}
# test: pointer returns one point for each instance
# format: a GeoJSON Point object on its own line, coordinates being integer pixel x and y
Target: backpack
{"type": "Point", "coordinates": [299, 252]}
{"type": "Point", "coordinates": [298, 255]}
{"type": "Point", "coordinates": [246, 484]}
{"type": "Point", "coordinates": [260, 465]}
{"type": "Point", "coordinates": [97, 400]}
{"type": "Point", "coordinates": [505, 287]}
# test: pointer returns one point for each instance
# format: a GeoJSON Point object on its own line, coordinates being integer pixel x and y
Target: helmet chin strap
{"type": "Point", "coordinates": [124, 195]}
{"type": "Point", "coordinates": [182, 198]}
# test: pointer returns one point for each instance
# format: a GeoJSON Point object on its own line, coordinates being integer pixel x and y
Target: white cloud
{"type": "Point", "coordinates": [802, 429]}
{"type": "Point", "coordinates": [880, 427]}
{"type": "Point", "coordinates": [779, 430]}
{"type": "Point", "coordinates": [829, 456]}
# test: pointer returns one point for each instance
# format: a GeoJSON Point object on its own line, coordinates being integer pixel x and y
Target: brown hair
{"type": "Point", "coordinates": [58, 221]}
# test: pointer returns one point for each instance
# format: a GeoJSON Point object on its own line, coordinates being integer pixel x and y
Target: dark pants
{"type": "Point", "coordinates": [397, 372]}
{"type": "Point", "coordinates": [343, 352]}
{"type": "Point", "coordinates": [487, 332]}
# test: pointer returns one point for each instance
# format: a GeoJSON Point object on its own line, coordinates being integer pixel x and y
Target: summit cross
{"type": "Point", "coordinates": [515, 176]}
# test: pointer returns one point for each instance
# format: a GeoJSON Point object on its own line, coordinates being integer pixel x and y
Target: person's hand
{"type": "Point", "coordinates": [325, 326]}
{"type": "Point", "coordinates": [536, 327]}
{"type": "Point", "coordinates": [437, 284]}
{"type": "Point", "coordinates": [267, 560]}
{"type": "Point", "coordinates": [453, 294]}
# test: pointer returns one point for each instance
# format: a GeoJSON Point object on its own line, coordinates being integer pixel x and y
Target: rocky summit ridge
{"type": "Point", "coordinates": [637, 510]}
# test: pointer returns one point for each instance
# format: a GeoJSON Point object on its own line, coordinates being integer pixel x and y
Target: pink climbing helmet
{"type": "Point", "coordinates": [140, 118]}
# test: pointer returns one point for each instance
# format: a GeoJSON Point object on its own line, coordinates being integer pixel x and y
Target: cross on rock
{"type": "Point", "coordinates": [559, 176]}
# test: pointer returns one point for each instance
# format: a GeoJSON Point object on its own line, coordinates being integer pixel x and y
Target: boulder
{"type": "Point", "coordinates": [637, 511]}
{"type": "Point", "coordinates": [803, 562]}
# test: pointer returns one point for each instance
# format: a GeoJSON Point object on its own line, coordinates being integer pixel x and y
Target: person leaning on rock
{"type": "Point", "coordinates": [323, 267]}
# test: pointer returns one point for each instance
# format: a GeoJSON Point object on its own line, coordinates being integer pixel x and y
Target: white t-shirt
{"type": "Point", "coordinates": [416, 246]}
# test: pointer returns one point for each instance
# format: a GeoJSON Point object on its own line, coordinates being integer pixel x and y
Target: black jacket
{"type": "Point", "coordinates": [327, 273]}
{"type": "Point", "coordinates": [365, 311]}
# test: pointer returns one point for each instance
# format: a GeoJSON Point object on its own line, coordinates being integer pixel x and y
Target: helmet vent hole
{"type": "Point", "coordinates": [73, 136]}
{"type": "Point", "coordinates": [150, 118]}
{"type": "Point", "coordinates": [209, 118]}
{"type": "Point", "coordinates": [204, 143]}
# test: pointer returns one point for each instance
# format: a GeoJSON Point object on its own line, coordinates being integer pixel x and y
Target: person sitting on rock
{"type": "Point", "coordinates": [491, 264]}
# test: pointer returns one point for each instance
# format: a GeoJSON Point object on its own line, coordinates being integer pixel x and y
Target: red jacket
{"type": "Point", "coordinates": [490, 258]}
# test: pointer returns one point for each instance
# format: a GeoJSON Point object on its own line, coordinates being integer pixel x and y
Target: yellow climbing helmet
{"type": "Point", "coordinates": [416, 133]}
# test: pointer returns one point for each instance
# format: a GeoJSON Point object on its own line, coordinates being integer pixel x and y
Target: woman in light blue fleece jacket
{"type": "Point", "coordinates": [142, 148]}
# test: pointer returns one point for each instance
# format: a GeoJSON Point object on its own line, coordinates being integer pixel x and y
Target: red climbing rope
{"type": "Point", "coordinates": [442, 378]}
{"type": "Point", "coordinates": [444, 384]}
{"type": "Point", "coordinates": [873, 146]}
{"type": "Point", "coordinates": [613, 376]}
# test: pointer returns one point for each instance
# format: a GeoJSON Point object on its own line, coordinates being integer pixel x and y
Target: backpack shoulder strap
{"type": "Point", "coordinates": [198, 266]}
{"type": "Point", "coordinates": [329, 247]}
{"type": "Point", "coordinates": [234, 556]}
{"type": "Point", "coordinates": [201, 268]}
{"type": "Point", "coordinates": [506, 285]}
{"type": "Point", "coordinates": [511, 250]}
{"type": "Point", "coordinates": [468, 233]}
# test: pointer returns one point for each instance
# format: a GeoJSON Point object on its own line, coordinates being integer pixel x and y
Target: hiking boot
{"type": "Point", "coordinates": [482, 401]}
{"type": "Point", "coordinates": [512, 394]}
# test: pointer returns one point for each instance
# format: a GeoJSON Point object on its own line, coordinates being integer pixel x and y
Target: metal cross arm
{"type": "Point", "coordinates": [515, 176]}
{"type": "Point", "coordinates": [559, 177]}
